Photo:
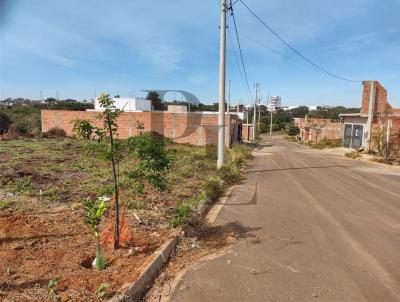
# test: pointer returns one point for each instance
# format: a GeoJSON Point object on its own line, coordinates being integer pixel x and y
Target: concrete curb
{"type": "Point", "coordinates": [161, 257]}
{"type": "Point", "coordinates": [151, 271]}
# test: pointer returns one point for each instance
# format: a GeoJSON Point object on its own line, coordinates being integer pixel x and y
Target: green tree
{"type": "Point", "coordinates": [157, 103]}
{"type": "Point", "coordinates": [110, 130]}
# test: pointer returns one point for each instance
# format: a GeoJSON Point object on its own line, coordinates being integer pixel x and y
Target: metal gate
{"type": "Point", "coordinates": [353, 136]}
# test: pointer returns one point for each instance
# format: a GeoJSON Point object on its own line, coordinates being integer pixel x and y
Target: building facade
{"type": "Point", "coordinates": [377, 120]}
{"type": "Point", "coordinates": [376, 126]}
{"type": "Point", "coordinates": [274, 103]}
{"type": "Point", "coordinates": [127, 104]}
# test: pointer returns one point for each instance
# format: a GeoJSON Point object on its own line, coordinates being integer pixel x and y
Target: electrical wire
{"type": "Point", "coordinates": [240, 50]}
{"type": "Point", "coordinates": [236, 57]}
{"type": "Point", "coordinates": [280, 53]}
{"type": "Point", "coordinates": [295, 50]}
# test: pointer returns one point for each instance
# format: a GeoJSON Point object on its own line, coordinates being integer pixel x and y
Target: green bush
{"type": "Point", "coordinates": [24, 117]}
{"type": "Point", "coordinates": [230, 173]}
{"type": "Point", "coordinates": [182, 213]}
{"type": "Point", "coordinates": [239, 154]}
{"type": "Point", "coordinates": [5, 122]}
{"type": "Point", "coordinates": [212, 189]}
{"type": "Point", "coordinates": [327, 143]}
{"type": "Point", "coordinates": [153, 160]}
{"type": "Point", "coordinates": [83, 128]}
{"type": "Point", "coordinates": [293, 130]}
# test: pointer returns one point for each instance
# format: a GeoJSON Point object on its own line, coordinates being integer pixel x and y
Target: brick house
{"type": "Point", "coordinates": [329, 129]}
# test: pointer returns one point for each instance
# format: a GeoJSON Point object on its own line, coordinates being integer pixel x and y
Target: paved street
{"type": "Point", "coordinates": [312, 226]}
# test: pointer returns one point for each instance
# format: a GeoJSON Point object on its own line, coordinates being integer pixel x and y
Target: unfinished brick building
{"type": "Point", "coordinates": [376, 126]}
{"type": "Point", "coordinates": [329, 130]}
{"type": "Point", "coordinates": [378, 123]}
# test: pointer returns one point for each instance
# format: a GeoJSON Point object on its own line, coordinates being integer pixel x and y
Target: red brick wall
{"type": "Point", "coordinates": [330, 131]}
{"type": "Point", "coordinates": [192, 128]}
{"type": "Point", "coordinates": [380, 104]}
{"type": "Point", "coordinates": [247, 132]}
{"type": "Point", "coordinates": [394, 133]}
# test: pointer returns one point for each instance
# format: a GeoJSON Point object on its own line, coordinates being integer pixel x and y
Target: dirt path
{"type": "Point", "coordinates": [311, 226]}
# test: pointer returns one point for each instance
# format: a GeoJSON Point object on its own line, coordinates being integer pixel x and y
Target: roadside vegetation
{"type": "Point", "coordinates": [324, 144]}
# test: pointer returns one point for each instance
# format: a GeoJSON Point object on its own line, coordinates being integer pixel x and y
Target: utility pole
{"type": "Point", "coordinates": [222, 70]}
{"type": "Point", "coordinates": [228, 110]}
{"type": "Point", "coordinates": [256, 86]}
{"type": "Point", "coordinates": [259, 115]}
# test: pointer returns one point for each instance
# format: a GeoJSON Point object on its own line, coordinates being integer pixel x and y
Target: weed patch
{"type": "Point", "coordinates": [353, 154]}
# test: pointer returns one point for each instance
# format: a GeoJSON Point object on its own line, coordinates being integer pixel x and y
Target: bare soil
{"type": "Point", "coordinates": [43, 236]}
{"type": "Point", "coordinates": [54, 243]}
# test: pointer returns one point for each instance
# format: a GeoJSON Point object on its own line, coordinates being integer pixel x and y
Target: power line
{"type": "Point", "coordinates": [232, 4]}
{"type": "Point", "coordinates": [268, 47]}
{"type": "Point", "coordinates": [295, 50]}
{"type": "Point", "coordinates": [280, 53]}
{"type": "Point", "coordinates": [240, 51]}
{"type": "Point", "coordinates": [236, 57]}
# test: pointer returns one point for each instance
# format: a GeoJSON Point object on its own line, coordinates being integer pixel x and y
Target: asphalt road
{"type": "Point", "coordinates": [312, 227]}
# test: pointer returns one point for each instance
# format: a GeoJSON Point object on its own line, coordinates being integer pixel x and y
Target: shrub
{"type": "Point", "coordinates": [290, 139]}
{"type": "Point", "coordinates": [325, 143]}
{"type": "Point", "coordinates": [182, 213]}
{"type": "Point", "coordinates": [293, 130]}
{"type": "Point", "coordinates": [5, 122]}
{"type": "Point", "coordinates": [55, 133]}
{"type": "Point", "coordinates": [16, 130]}
{"type": "Point", "coordinates": [94, 210]}
{"type": "Point", "coordinates": [230, 173]}
{"type": "Point", "coordinates": [353, 154]}
{"type": "Point", "coordinates": [239, 154]}
{"type": "Point", "coordinates": [26, 117]}
{"type": "Point", "coordinates": [153, 160]}
{"type": "Point", "coordinates": [212, 189]}
{"type": "Point", "coordinates": [83, 128]}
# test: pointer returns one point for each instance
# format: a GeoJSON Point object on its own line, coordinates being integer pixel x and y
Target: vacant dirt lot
{"type": "Point", "coordinates": [43, 237]}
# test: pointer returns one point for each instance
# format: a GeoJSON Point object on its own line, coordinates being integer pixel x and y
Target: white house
{"type": "Point", "coordinates": [127, 104]}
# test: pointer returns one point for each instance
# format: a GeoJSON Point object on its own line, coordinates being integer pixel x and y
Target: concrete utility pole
{"type": "Point", "coordinates": [256, 86]}
{"type": "Point", "coordinates": [222, 70]}
{"type": "Point", "coordinates": [259, 115]}
{"type": "Point", "coordinates": [228, 110]}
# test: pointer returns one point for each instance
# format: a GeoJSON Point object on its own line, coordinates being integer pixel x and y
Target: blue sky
{"type": "Point", "coordinates": [80, 48]}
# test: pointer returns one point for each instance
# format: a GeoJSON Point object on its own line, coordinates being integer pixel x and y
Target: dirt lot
{"type": "Point", "coordinates": [42, 232]}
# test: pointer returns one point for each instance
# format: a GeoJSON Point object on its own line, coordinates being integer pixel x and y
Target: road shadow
{"type": "Point", "coordinates": [241, 231]}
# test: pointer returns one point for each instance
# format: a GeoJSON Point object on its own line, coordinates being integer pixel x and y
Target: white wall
{"type": "Point", "coordinates": [127, 104]}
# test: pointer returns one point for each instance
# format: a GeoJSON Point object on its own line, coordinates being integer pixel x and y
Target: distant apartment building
{"type": "Point", "coordinates": [274, 103]}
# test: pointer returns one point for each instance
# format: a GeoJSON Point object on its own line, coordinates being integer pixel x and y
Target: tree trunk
{"type": "Point", "coordinates": [116, 227]}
